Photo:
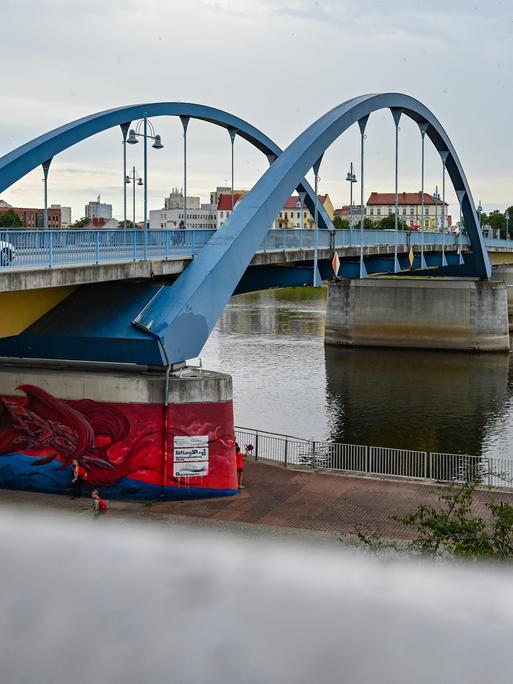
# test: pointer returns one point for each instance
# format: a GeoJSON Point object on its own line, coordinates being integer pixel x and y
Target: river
{"type": "Point", "coordinates": [285, 380]}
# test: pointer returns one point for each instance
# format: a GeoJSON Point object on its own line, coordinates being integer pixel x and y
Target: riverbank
{"type": "Point", "coordinates": [276, 502]}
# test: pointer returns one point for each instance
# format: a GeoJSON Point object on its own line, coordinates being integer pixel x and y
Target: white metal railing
{"type": "Point", "coordinates": [359, 459]}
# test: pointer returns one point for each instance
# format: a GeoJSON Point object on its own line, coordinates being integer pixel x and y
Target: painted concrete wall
{"type": "Point", "coordinates": [416, 313]}
{"type": "Point", "coordinates": [117, 426]}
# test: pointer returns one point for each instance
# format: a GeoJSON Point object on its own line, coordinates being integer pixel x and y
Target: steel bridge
{"type": "Point", "coordinates": [152, 322]}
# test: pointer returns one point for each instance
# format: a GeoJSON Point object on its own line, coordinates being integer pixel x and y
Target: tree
{"type": "Point", "coordinates": [509, 212]}
{"type": "Point", "coordinates": [80, 223]}
{"type": "Point", "coordinates": [340, 223]}
{"type": "Point", "coordinates": [451, 528]}
{"type": "Point", "coordinates": [454, 529]}
{"type": "Point", "coordinates": [388, 223]}
{"type": "Point", "coordinates": [10, 219]}
{"type": "Point", "coordinates": [497, 221]}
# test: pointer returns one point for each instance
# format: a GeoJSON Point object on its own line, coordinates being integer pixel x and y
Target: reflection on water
{"type": "Point", "coordinates": [286, 381]}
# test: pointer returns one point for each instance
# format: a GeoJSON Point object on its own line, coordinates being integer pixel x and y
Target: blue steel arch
{"type": "Point", "coordinates": [17, 163]}
{"type": "Point", "coordinates": [182, 316]}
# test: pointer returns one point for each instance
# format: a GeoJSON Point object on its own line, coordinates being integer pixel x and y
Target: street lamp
{"type": "Point", "coordinates": [134, 183]}
{"type": "Point", "coordinates": [479, 213]}
{"type": "Point", "coordinates": [436, 197]}
{"type": "Point", "coordinates": [351, 178]}
{"type": "Point", "coordinates": [133, 134]}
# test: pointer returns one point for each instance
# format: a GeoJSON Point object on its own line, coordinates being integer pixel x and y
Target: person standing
{"type": "Point", "coordinates": [239, 456]}
{"type": "Point", "coordinates": [79, 477]}
{"type": "Point", "coordinates": [99, 504]}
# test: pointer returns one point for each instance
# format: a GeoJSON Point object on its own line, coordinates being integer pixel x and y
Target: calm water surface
{"type": "Point", "coordinates": [286, 381]}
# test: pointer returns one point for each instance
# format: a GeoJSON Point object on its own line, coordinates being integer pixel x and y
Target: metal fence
{"type": "Point", "coordinates": [32, 248]}
{"type": "Point", "coordinates": [48, 248]}
{"type": "Point", "coordinates": [360, 459]}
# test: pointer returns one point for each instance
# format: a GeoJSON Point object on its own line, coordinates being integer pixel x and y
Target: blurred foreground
{"type": "Point", "coordinates": [87, 601]}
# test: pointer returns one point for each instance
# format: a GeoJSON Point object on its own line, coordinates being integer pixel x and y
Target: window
{"type": "Point", "coordinates": [221, 214]}
{"type": "Point", "coordinates": [286, 215]}
{"type": "Point", "coordinates": [371, 212]}
{"type": "Point", "coordinates": [412, 211]}
{"type": "Point", "coordinates": [379, 211]}
{"type": "Point", "coordinates": [298, 215]}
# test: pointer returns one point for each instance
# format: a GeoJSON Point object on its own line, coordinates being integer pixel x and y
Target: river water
{"type": "Point", "coordinates": [286, 380]}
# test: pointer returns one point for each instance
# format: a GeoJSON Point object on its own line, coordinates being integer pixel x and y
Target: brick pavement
{"type": "Point", "coordinates": [322, 502]}
{"type": "Point", "coordinates": [280, 502]}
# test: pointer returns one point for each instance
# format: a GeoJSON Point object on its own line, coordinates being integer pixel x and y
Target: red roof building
{"type": "Point", "coordinates": [224, 205]}
{"type": "Point", "coordinates": [382, 204]}
{"type": "Point", "coordinates": [404, 198]}
{"type": "Point", "coordinates": [290, 215]}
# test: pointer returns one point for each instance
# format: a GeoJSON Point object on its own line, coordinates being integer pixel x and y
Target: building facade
{"type": "Point", "coordinates": [98, 209]}
{"type": "Point", "coordinates": [35, 218]}
{"type": "Point", "coordinates": [224, 205]}
{"type": "Point", "coordinates": [382, 204]}
{"type": "Point", "coordinates": [65, 215]}
{"type": "Point", "coordinates": [290, 215]}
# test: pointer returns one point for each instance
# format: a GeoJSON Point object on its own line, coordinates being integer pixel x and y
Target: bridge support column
{"type": "Point", "coordinates": [132, 443]}
{"type": "Point", "coordinates": [504, 274]}
{"type": "Point", "coordinates": [414, 313]}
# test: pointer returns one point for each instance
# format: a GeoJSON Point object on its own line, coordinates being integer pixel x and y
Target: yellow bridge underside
{"type": "Point", "coordinates": [497, 258]}
{"type": "Point", "coordinates": [18, 310]}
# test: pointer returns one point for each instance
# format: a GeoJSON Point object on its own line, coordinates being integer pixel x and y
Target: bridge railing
{"type": "Point", "coordinates": [46, 249]}
{"type": "Point", "coordinates": [40, 248]}
{"type": "Point", "coordinates": [360, 459]}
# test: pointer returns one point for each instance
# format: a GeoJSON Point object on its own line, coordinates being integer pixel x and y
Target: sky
{"type": "Point", "coordinates": [279, 65]}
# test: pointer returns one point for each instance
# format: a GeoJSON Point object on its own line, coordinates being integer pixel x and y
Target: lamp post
{"type": "Point", "coordinates": [479, 213]}
{"type": "Point", "coordinates": [506, 214]}
{"type": "Point", "coordinates": [133, 181]}
{"type": "Point", "coordinates": [351, 178]}
{"type": "Point", "coordinates": [133, 134]}
{"type": "Point", "coordinates": [436, 197]}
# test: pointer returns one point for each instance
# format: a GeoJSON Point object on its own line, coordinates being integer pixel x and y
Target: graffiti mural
{"type": "Point", "coordinates": [121, 446]}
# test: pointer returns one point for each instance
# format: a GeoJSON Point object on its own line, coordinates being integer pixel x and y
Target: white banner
{"type": "Point", "coordinates": [190, 456]}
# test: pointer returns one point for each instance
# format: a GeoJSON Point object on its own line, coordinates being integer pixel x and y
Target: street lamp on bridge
{"type": "Point", "coordinates": [133, 134]}
{"type": "Point", "coordinates": [132, 180]}
{"type": "Point", "coordinates": [479, 213]}
{"type": "Point", "coordinates": [436, 197]}
{"type": "Point", "coordinates": [351, 178]}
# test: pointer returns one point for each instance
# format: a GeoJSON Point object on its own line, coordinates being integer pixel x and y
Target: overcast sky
{"type": "Point", "coordinates": [279, 65]}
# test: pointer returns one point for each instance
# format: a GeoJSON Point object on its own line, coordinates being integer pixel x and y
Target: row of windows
{"type": "Point", "coordinates": [413, 211]}
{"type": "Point", "coordinates": [286, 214]}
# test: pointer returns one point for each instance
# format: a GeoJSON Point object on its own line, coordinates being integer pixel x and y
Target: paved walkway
{"type": "Point", "coordinates": [279, 502]}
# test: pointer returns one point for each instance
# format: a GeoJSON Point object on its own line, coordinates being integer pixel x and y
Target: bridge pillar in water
{"type": "Point", "coordinates": [132, 443]}
{"type": "Point", "coordinates": [504, 274]}
{"type": "Point", "coordinates": [415, 313]}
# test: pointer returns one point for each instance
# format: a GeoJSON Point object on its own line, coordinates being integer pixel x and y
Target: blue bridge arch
{"type": "Point", "coordinates": [42, 149]}
{"type": "Point", "coordinates": [168, 324]}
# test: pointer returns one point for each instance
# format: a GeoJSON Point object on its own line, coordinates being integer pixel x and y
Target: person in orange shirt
{"type": "Point", "coordinates": [239, 456]}
{"type": "Point", "coordinates": [79, 477]}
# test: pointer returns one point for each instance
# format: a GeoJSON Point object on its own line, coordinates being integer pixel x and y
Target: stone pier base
{"type": "Point", "coordinates": [415, 313]}
{"type": "Point", "coordinates": [504, 274]}
{"type": "Point", "coordinates": [131, 440]}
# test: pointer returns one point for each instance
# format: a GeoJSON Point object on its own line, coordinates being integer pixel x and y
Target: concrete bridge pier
{"type": "Point", "coordinates": [137, 433]}
{"type": "Point", "coordinates": [504, 274]}
{"type": "Point", "coordinates": [418, 313]}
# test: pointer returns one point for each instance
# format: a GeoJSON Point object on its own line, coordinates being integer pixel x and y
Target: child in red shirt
{"type": "Point", "coordinates": [99, 504]}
